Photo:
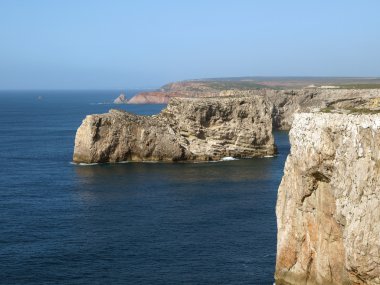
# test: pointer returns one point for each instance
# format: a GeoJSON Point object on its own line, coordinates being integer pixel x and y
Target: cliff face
{"type": "Point", "coordinates": [328, 207]}
{"type": "Point", "coordinates": [163, 97]}
{"type": "Point", "coordinates": [150, 98]}
{"type": "Point", "coordinates": [285, 102]}
{"type": "Point", "coordinates": [188, 129]}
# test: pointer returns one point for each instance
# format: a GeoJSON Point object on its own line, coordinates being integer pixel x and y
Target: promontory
{"type": "Point", "coordinates": [198, 129]}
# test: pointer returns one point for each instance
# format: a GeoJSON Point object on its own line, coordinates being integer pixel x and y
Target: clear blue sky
{"type": "Point", "coordinates": [100, 44]}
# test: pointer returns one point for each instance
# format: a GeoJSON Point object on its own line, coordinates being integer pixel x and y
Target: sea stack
{"type": "Point", "coordinates": [121, 99]}
{"type": "Point", "coordinates": [328, 207]}
{"type": "Point", "coordinates": [200, 129]}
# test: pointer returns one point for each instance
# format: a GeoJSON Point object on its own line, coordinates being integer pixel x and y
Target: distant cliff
{"type": "Point", "coordinates": [121, 99]}
{"type": "Point", "coordinates": [285, 102]}
{"type": "Point", "coordinates": [213, 87]}
{"type": "Point", "coordinates": [328, 207]}
{"type": "Point", "coordinates": [188, 129]}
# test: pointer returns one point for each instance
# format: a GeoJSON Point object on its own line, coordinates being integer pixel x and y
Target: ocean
{"type": "Point", "coordinates": [131, 223]}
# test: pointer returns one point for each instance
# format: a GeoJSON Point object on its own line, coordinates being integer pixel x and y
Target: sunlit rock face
{"type": "Point", "coordinates": [328, 207]}
{"type": "Point", "coordinates": [188, 129]}
{"type": "Point", "coordinates": [286, 103]}
{"type": "Point", "coordinates": [121, 99]}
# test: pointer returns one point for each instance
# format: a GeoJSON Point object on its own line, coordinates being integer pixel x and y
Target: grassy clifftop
{"type": "Point", "coordinates": [249, 83]}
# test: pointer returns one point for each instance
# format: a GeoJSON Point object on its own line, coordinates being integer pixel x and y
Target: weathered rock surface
{"type": "Point", "coordinates": [285, 102]}
{"type": "Point", "coordinates": [328, 207]}
{"type": "Point", "coordinates": [188, 129]}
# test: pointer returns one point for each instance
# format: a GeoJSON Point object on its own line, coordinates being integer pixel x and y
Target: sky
{"type": "Point", "coordinates": [123, 44]}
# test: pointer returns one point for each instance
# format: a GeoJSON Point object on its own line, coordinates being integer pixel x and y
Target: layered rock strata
{"type": "Point", "coordinates": [188, 129]}
{"type": "Point", "coordinates": [285, 102]}
{"type": "Point", "coordinates": [328, 207]}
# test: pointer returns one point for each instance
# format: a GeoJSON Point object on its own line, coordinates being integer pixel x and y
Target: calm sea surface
{"type": "Point", "coordinates": [133, 223]}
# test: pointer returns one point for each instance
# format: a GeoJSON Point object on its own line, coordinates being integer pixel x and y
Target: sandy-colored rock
{"type": "Point", "coordinates": [285, 102]}
{"type": "Point", "coordinates": [150, 98]}
{"type": "Point", "coordinates": [328, 207]}
{"type": "Point", "coordinates": [188, 129]}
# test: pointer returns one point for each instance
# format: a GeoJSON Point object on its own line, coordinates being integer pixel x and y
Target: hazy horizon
{"type": "Point", "coordinates": [93, 45]}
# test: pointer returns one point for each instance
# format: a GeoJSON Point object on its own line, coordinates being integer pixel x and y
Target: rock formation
{"type": "Point", "coordinates": [328, 207]}
{"type": "Point", "coordinates": [213, 87]}
{"type": "Point", "coordinates": [188, 129]}
{"type": "Point", "coordinates": [150, 98]}
{"type": "Point", "coordinates": [285, 102]}
{"type": "Point", "coordinates": [121, 99]}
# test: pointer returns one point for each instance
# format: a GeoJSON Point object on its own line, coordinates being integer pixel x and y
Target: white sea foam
{"type": "Point", "coordinates": [267, 156]}
{"type": "Point", "coordinates": [228, 158]}
{"type": "Point", "coordinates": [101, 103]}
{"type": "Point", "coordinates": [83, 164]}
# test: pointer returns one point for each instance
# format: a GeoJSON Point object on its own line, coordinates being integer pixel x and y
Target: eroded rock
{"type": "Point", "coordinates": [328, 207]}
{"type": "Point", "coordinates": [188, 129]}
{"type": "Point", "coordinates": [121, 99]}
{"type": "Point", "coordinates": [286, 103]}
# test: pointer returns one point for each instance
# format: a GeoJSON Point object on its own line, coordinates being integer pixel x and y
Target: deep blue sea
{"type": "Point", "coordinates": [133, 223]}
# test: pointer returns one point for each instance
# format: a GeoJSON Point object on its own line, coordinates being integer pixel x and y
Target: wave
{"type": "Point", "coordinates": [228, 158]}
{"type": "Point", "coordinates": [101, 103]}
{"type": "Point", "coordinates": [84, 164]}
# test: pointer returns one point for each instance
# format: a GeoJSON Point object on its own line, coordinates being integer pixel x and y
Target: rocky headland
{"type": "Point", "coordinates": [215, 87]}
{"type": "Point", "coordinates": [199, 129]}
{"type": "Point", "coordinates": [286, 102]}
{"type": "Point", "coordinates": [328, 207]}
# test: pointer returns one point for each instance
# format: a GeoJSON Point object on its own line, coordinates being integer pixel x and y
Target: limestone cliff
{"type": "Point", "coordinates": [163, 97]}
{"type": "Point", "coordinates": [285, 102]}
{"type": "Point", "coordinates": [188, 129]}
{"type": "Point", "coordinates": [328, 207]}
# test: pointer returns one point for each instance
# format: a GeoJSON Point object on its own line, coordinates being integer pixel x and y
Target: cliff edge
{"type": "Point", "coordinates": [328, 207]}
{"type": "Point", "coordinates": [285, 102]}
{"type": "Point", "coordinates": [188, 129]}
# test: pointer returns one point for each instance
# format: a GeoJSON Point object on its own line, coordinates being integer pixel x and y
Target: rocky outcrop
{"type": "Point", "coordinates": [163, 97]}
{"type": "Point", "coordinates": [285, 102]}
{"type": "Point", "coordinates": [151, 98]}
{"type": "Point", "coordinates": [188, 129]}
{"type": "Point", "coordinates": [328, 207]}
{"type": "Point", "coordinates": [121, 99]}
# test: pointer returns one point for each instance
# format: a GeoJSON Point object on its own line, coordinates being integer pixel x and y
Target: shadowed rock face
{"type": "Point", "coordinates": [188, 129]}
{"type": "Point", "coordinates": [328, 207]}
